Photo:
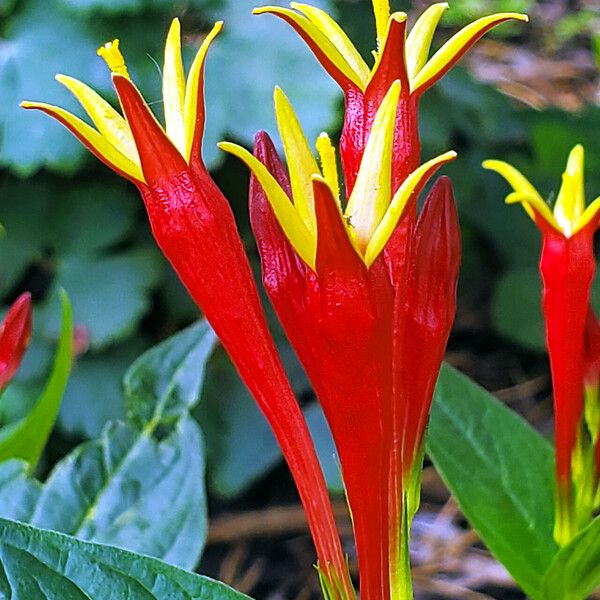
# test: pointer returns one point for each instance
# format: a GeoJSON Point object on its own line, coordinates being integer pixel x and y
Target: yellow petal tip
{"type": "Point", "coordinates": [400, 17]}
{"type": "Point", "coordinates": [515, 198]}
{"type": "Point", "coordinates": [517, 16]}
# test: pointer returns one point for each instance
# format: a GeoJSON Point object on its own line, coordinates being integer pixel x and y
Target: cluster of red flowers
{"type": "Point", "coordinates": [363, 284]}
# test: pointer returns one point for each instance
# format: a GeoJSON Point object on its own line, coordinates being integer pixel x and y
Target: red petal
{"type": "Point", "coordinates": [567, 267]}
{"type": "Point", "coordinates": [195, 228]}
{"type": "Point", "coordinates": [15, 333]}
{"type": "Point", "coordinates": [352, 140]}
{"type": "Point", "coordinates": [159, 158]}
{"type": "Point", "coordinates": [326, 63]}
{"type": "Point", "coordinates": [392, 65]}
{"type": "Point", "coordinates": [428, 314]}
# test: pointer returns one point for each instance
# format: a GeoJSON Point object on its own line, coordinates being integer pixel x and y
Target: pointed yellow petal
{"type": "Point", "coordinates": [524, 192]}
{"type": "Point", "coordinates": [300, 160]}
{"type": "Point", "coordinates": [92, 139]}
{"type": "Point", "coordinates": [590, 213]}
{"type": "Point", "coordinates": [173, 88]}
{"type": "Point", "coordinates": [303, 241]}
{"type": "Point", "coordinates": [381, 8]}
{"type": "Point", "coordinates": [322, 46]}
{"type": "Point", "coordinates": [420, 37]}
{"type": "Point", "coordinates": [385, 229]}
{"type": "Point", "coordinates": [372, 191]}
{"type": "Point", "coordinates": [513, 176]}
{"type": "Point", "coordinates": [192, 91]}
{"type": "Point", "coordinates": [113, 58]}
{"type": "Point", "coordinates": [108, 121]}
{"type": "Point", "coordinates": [570, 203]}
{"type": "Point", "coordinates": [534, 206]}
{"type": "Point", "coordinates": [328, 164]}
{"type": "Point", "coordinates": [337, 36]}
{"type": "Point", "coordinates": [456, 46]}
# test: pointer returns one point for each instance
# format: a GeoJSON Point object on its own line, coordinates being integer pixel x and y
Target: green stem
{"type": "Point", "coordinates": [402, 586]}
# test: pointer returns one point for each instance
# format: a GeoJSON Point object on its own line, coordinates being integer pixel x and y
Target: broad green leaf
{"type": "Point", "coordinates": [575, 571]}
{"type": "Point", "coordinates": [88, 217]}
{"type": "Point", "coordinates": [241, 447]}
{"type": "Point", "coordinates": [140, 485]}
{"type": "Point", "coordinates": [240, 444]}
{"type": "Point", "coordinates": [109, 294]}
{"type": "Point", "coordinates": [27, 437]}
{"type": "Point", "coordinates": [37, 44]}
{"type": "Point", "coordinates": [166, 381]}
{"type": "Point", "coordinates": [94, 394]}
{"type": "Point", "coordinates": [44, 565]}
{"type": "Point", "coordinates": [500, 471]}
{"type": "Point", "coordinates": [73, 240]}
{"type": "Point", "coordinates": [134, 489]}
{"type": "Point", "coordinates": [18, 490]}
{"type": "Point", "coordinates": [321, 434]}
{"type": "Point", "coordinates": [251, 56]}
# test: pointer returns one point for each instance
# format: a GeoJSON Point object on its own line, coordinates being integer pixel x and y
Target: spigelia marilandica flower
{"type": "Point", "coordinates": [15, 333]}
{"type": "Point", "coordinates": [398, 57]}
{"type": "Point", "coordinates": [567, 267]}
{"type": "Point", "coordinates": [194, 226]}
{"type": "Point", "coordinates": [345, 306]}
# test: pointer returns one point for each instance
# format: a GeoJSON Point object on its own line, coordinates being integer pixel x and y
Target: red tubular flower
{"type": "Point", "coordinates": [15, 333]}
{"type": "Point", "coordinates": [321, 312]}
{"type": "Point", "coordinates": [194, 226]}
{"type": "Point", "coordinates": [398, 57]}
{"type": "Point", "coordinates": [567, 267]}
{"type": "Point", "coordinates": [424, 314]}
{"type": "Point", "coordinates": [343, 303]}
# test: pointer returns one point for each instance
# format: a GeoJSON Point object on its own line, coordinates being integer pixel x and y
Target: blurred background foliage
{"type": "Point", "coordinates": [71, 223]}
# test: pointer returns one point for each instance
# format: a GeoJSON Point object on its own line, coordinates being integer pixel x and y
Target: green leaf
{"type": "Point", "coordinates": [141, 484]}
{"type": "Point", "coordinates": [94, 394]}
{"type": "Point", "coordinates": [166, 381]}
{"type": "Point", "coordinates": [18, 491]}
{"type": "Point", "coordinates": [109, 294]}
{"type": "Point", "coordinates": [500, 471]}
{"type": "Point", "coordinates": [575, 571]}
{"type": "Point", "coordinates": [325, 447]}
{"type": "Point", "coordinates": [73, 240]}
{"type": "Point", "coordinates": [241, 447]}
{"type": "Point", "coordinates": [44, 565]}
{"type": "Point", "coordinates": [129, 7]}
{"type": "Point", "coordinates": [38, 44]}
{"type": "Point", "coordinates": [136, 489]}
{"type": "Point", "coordinates": [251, 56]}
{"type": "Point", "coordinates": [27, 437]}
{"type": "Point", "coordinates": [240, 444]}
